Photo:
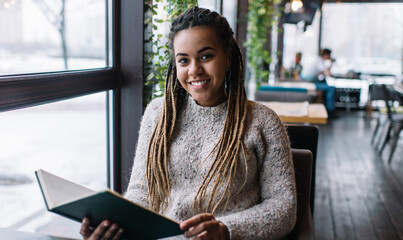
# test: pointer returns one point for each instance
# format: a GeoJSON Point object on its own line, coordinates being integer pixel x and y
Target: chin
{"type": "Point", "coordinates": [200, 100]}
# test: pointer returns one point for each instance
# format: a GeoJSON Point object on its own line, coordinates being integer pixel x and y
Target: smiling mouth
{"type": "Point", "coordinates": [198, 83]}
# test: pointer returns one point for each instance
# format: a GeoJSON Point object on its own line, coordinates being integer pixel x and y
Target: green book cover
{"type": "Point", "coordinates": [137, 221]}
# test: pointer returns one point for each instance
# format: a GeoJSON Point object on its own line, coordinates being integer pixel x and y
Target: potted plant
{"type": "Point", "coordinates": [262, 14]}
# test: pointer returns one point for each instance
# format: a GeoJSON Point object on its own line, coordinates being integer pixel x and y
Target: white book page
{"type": "Point", "coordinates": [57, 190]}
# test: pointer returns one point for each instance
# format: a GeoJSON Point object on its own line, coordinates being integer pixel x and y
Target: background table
{"type": "Point", "coordinates": [398, 88]}
{"type": "Point", "coordinates": [316, 112]}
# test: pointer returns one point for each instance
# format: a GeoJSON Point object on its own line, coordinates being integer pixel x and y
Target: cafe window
{"type": "Point", "coordinates": [366, 38]}
{"type": "Point", "coordinates": [49, 36]}
{"type": "Point", "coordinates": [301, 38]}
{"type": "Point", "coordinates": [67, 138]}
{"type": "Point", "coordinates": [56, 77]}
{"type": "Point", "coordinates": [229, 11]}
{"type": "Point", "coordinates": [214, 5]}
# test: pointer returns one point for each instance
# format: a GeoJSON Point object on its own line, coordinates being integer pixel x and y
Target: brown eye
{"type": "Point", "coordinates": [206, 56]}
{"type": "Point", "coordinates": [183, 61]}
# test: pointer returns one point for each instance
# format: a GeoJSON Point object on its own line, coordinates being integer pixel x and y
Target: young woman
{"type": "Point", "coordinates": [206, 156]}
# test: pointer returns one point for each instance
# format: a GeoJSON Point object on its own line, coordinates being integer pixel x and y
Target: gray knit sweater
{"type": "Point", "coordinates": [265, 208]}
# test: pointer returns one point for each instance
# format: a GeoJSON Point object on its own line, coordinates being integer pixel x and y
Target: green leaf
{"type": "Point", "coordinates": [148, 20]}
{"type": "Point", "coordinates": [261, 16]}
{"type": "Point", "coordinates": [150, 76]}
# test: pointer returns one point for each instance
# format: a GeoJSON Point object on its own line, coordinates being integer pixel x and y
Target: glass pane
{"type": "Point", "coordinates": [51, 35]}
{"type": "Point", "coordinates": [303, 39]}
{"type": "Point", "coordinates": [213, 5]}
{"type": "Point", "coordinates": [365, 38]}
{"type": "Point", "coordinates": [67, 138]}
{"type": "Point", "coordinates": [229, 12]}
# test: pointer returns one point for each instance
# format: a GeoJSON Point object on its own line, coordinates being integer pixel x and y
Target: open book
{"type": "Point", "coordinates": [76, 202]}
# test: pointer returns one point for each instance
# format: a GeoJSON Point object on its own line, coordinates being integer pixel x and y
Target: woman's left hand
{"type": "Point", "coordinates": [204, 226]}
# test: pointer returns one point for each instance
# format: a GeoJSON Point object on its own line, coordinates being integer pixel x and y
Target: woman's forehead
{"type": "Point", "coordinates": [196, 36]}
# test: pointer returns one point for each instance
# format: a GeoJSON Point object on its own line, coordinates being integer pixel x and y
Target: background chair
{"type": "Point", "coordinates": [305, 137]}
{"type": "Point", "coordinates": [284, 94]}
{"type": "Point", "coordinates": [395, 122]}
{"type": "Point", "coordinates": [303, 161]}
{"type": "Point", "coordinates": [376, 93]}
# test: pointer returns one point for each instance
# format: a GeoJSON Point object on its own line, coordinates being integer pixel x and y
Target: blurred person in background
{"type": "Point", "coordinates": [320, 69]}
{"type": "Point", "coordinates": [297, 68]}
{"type": "Point", "coordinates": [317, 73]}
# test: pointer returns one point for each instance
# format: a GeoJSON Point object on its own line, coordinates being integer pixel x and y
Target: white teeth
{"type": "Point", "coordinates": [198, 83]}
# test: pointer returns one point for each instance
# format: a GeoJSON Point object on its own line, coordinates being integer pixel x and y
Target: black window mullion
{"type": "Point", "coordinates": [128, 99]}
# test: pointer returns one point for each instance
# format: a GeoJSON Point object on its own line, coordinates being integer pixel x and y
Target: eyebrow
{"type": "Point", "coordinates": [198, 52]}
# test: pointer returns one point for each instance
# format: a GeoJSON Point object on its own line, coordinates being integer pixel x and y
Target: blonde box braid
{"type": "Point", "coordinates": [157, 155]}
{"type": "Point", "coordinates": [223, 170]}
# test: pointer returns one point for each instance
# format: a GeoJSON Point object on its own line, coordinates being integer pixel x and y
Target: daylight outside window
{"type": "Point", "coordinates": [366, 40]}
{"type": "Point", "coordinates": [363, 37]}
{"type": "Point", "coordinates": [51, 35]}
{"type": "Point", "coordinates": [69, 137]}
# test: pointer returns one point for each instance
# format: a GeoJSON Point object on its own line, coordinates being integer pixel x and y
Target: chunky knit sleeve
{"type": "Point", "coordinates": [275, 215]}
{"type": "Point", "coordinates": [137, 188]}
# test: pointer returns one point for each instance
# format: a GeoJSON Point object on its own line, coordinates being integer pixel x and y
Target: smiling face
{"type": "Point", "coordinates": [201, 62]}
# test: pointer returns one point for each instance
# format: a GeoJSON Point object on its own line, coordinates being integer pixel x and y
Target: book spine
{"type": "Point", "coordinates": [43, 195]}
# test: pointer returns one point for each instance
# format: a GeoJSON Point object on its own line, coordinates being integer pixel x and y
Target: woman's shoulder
{"type": "Point", "coordinates": [261, 116]}
{"type": "Point", "coordinates": [258, 110]}
{"type": "Point", "coordinates": [154, 108]}
{"type": "Point", "coordinates": [156, 103]}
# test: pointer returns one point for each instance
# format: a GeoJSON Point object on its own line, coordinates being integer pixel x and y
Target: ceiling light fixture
{"type": "Point", "coordinates": [296, 5]}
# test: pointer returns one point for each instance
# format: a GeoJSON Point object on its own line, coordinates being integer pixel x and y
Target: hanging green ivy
{"type": "Point", "coordinates": [262, 14]}
{"type": "Point", "coordinates": [156, 45]}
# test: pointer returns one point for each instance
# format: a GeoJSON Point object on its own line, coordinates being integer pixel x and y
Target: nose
{"type": "Point", "coordinates": [194, 68]}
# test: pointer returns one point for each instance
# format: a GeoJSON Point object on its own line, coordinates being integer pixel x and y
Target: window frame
{"type": "Point", "coordinates": [26, 90]}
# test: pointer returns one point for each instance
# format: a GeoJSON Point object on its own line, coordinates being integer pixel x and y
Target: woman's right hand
{"type": "Point", "coordinates": [105, 231]}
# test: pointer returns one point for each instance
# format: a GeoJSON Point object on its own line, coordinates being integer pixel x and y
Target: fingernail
{"type": "Point", "coordinates": [106, 224]}
{"type": "Point", "coordinates": [84, 220]}
{"type": "Point", "coordinates": [183, 226]}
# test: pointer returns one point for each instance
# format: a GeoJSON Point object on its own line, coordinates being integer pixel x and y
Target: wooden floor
{"type": "Point", "coordinates": [358, 194]}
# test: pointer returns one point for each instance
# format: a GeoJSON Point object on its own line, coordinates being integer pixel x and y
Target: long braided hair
{"type": "Point", "coordinates": [223, 170]}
